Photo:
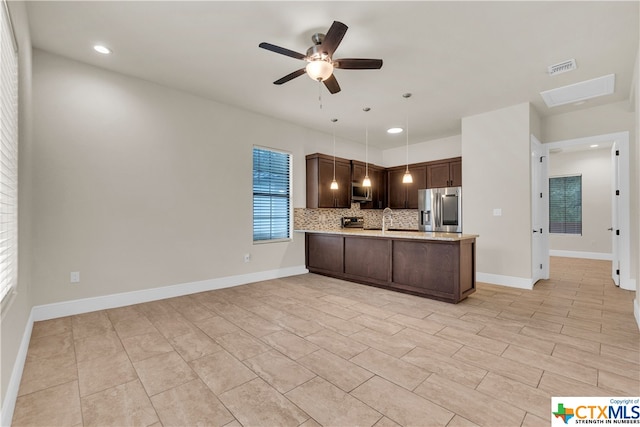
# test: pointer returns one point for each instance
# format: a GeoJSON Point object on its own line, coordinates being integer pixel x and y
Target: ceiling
{"type": "Point", "coordinates": [456, 58]}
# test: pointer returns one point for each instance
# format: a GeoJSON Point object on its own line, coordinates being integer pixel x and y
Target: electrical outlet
{"type": "Point", "coordinates": [497, 212]}
{"type": "Point", "coordinates": [247, 257]}
{"type": "Point", "coordinates": [74, 277]}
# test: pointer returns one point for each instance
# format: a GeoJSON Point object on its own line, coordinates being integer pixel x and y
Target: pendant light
{"type": "Point", "coordinates": [334, 183]}
{"type": "Point", "coordinates": [366, 182]}
{"type": "Point", "coordinates": [407, 178]}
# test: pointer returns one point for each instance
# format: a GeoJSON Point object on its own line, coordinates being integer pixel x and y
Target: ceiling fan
{"type": "Point", "coordinates": [319, 57]}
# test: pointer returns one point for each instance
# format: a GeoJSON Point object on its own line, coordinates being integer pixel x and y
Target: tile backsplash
{"type": "Point", "coordinates": [329, 219]}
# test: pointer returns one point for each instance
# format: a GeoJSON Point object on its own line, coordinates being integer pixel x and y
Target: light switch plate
{"type": "Point", "coordinates": [497, 212]}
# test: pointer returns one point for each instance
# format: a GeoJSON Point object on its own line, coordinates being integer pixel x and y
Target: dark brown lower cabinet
{"type": "Point", "coordinates": [325, 252]}
{"type": "Point", "coordinates": [442, 270]}
{"type": "Point", "coordinates": [367, 258]}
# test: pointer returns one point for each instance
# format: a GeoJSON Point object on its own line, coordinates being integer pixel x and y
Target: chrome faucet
{"type": "Point", "coordinates": [387, 212]}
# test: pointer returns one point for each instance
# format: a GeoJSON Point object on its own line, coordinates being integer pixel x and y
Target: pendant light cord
{"type": "Point", "coordinates": [334, 184]}
{"type": "Point", "coordinates": [366, 151]}
{"type": "Point", "coordinates": [407, 178]}
{"type": "Point", "coordinates": [407, 96]}
{"type": "Point", "coordinates": [407, 132]}
{"type": "Point", "coordinates": [366, 144]}
{"type": "Point", "coordinates": [334, 147]}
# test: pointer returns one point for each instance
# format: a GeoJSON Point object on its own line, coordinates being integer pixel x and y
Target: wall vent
{"type": "Point", "coordinates": [562, 67]}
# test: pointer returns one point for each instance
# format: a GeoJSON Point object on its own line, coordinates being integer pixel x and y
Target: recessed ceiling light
{"type": "Point", "coordinates": [102, 49]}
{"type": "Point", "coordinates": [593, 146]}
{"type": "Point", "coordinates": [394, 130]}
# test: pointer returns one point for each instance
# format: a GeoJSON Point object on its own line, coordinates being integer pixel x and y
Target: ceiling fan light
{"type": "Point", "coordinates": [319, 70]}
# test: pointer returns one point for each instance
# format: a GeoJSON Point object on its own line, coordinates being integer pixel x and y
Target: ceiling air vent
{"type": "Point", "coordinates": [562, 67]}
{"type": "Point", "coordinates": [581, 91]}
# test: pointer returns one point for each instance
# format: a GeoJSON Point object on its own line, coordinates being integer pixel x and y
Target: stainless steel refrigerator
{"type": "Point", "coordinates": [440, 209]}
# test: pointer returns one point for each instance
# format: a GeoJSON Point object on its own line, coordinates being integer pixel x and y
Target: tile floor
{"type": "Point", "coordinates": [311, 350]}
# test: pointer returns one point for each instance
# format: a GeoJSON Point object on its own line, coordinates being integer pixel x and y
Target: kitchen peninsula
{"type": "Point", "coordinates": [434, 265]}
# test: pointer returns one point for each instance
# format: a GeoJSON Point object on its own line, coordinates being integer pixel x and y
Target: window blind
{"type": "Point", "coordinates": [565, 204]}
{"type": "Point", "coordinates": [8, 155]}
{"type": "Point", "coordinates": [271, 195]}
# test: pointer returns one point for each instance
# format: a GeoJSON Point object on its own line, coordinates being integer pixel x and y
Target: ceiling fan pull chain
{"type": "Point", "coordinates": [320, 93]}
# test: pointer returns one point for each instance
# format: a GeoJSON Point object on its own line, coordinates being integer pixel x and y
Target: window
{"type": "Point", "coordinates": [8, 155]}
{"type": "Point", "coordinates": [565, 204]}
{"type": "Point", "coordinates": [271, 195]}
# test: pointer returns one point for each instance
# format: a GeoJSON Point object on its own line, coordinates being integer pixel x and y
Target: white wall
{"type": "Point", "coordinates": [595, 167]}
{"type": "Point", "coordinates": [608, 118]}
{"type": "Point", "coordinates": [442, 148]}
{"type": "Point", "coordinates": [495, 175]}
{"type": "Point", "coordinates": [139, 186]}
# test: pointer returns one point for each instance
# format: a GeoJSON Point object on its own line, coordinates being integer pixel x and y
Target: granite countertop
{"type": "Point", "coordinates": [397, 234]}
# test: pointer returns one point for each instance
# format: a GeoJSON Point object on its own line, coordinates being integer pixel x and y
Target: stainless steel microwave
{"type": "Point", "coordinates": [359, 193]}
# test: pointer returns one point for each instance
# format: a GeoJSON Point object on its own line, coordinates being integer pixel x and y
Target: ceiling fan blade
{"type": "Point", "coordinates": [332, 84]}
{"type": "Point", "coordinates": [281, 50]}
{"type": "Point", "coordinates": [358, 64]}
{"type": "Point", "coordinates": [290, 76]}
{"type": "Point", "coordinates": [333, 37]}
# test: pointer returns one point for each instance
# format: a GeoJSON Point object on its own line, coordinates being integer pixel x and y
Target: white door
{"type": "Point", "coordinates": [539, 211]}
{"type": "Point", "coordinates": [615, 209]}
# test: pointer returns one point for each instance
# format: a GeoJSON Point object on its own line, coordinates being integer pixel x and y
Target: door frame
{"type": "Point", "coordinates": [539, 210]}
{"type": "Point", "coordinates": [622, 139]}
{"type": "Point", "coordinates": [615, 213]}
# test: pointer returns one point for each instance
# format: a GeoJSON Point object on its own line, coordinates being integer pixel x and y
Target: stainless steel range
{"type": "Point", "coordinates": [352, 222]}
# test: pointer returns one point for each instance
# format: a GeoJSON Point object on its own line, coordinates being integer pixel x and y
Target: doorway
{"type": "Point", "coordinates": [620, 226]}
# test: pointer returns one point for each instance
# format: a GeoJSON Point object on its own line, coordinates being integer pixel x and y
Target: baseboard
{"type": "Point", "coordinates": [11, 395]}
{"type": "Point", "coordinates": [579, 254]}
{"type": "Point", "coordinates": [627, 283]}
{"type": "Point", "coordinates": [636, 311]}
{"type": "Point", "coordinates": [510, 281]}
{"type": "Point", "coordinates": [70, 308]}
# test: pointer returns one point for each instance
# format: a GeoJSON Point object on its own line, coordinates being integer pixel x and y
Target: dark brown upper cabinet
{"type": "Point", "coordinates": [319, 177]}
{"type": "Point", "coordinates": [401, 195]}
{"type": "Point", "coordinates": [445, 173]}
{"type": "Point", "coordinates": [386, 183]}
